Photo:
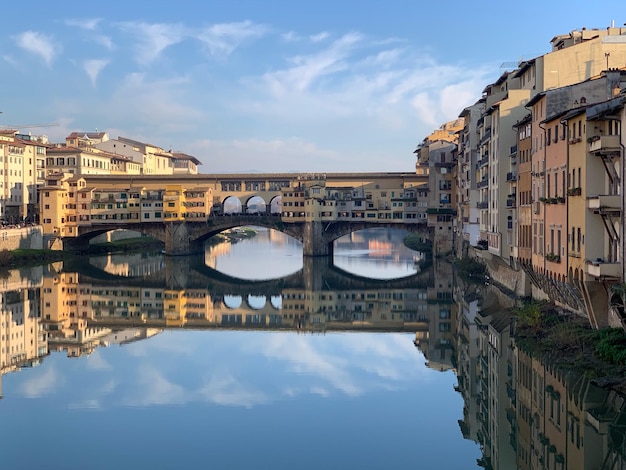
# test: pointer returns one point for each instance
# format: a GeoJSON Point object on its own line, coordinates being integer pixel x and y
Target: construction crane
{"type": "Point", "coordinates": [514, 65]}
{"type": "Point", "coordinates": [29, 126]}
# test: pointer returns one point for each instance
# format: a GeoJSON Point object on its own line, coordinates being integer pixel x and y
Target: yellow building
{"type": "Point", "coordinates": [174, 207]}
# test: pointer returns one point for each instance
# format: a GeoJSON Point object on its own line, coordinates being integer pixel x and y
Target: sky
{"type": "Point", "coordinates": [269, 85]}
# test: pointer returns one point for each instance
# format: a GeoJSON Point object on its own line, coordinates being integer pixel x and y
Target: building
{"type": "Point", "coordinates": [21, 161]}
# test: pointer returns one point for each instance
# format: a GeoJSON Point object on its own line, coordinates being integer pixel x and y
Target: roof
{"type": "Point", "coordinates": [136, 142]}
{"type": "Point", "coordinates": [525, 120]}
{"type": "Point", "coordinates": [600, 110]}
{"type": "Point", "coordinates": [523, 67]}
{"type": "Point", "coordinates": [554, 116]}
{"type": "Point", "coordinates": [184, 156]}
{"type": "Point", "coordinates": [574, 112]}
{"type": "Point", "coordinates": [535, 99]}
{"type": "Point", "coordinates": [89, 135]}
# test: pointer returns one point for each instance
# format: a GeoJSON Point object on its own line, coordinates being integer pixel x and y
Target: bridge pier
{"type": "Point", "coordinates": [314, 270]}
{"type": "Point", "coordinates": [313, 240]}
{"type": "Point", "coordinates": [75, 245]}
{"type": "Point", "coordinates": [179, 240]}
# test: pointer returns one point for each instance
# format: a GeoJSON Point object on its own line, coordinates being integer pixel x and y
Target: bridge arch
{"type": "Point", "coordinates": [341, 229]}
{"type": "Point", "coordinates": [232, 301]}
{"type": "Point", "coordinates": [232, 205]}
{"type": "Point", "coordinates": [276, 204]}
{"type": "Point", "coordinates": [255, 205]}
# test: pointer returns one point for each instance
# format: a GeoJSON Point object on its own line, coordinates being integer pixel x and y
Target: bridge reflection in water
{"type": "Point", "coordinates": [523, 410]}
{"type": "Point", "coordinates": [185, 292]}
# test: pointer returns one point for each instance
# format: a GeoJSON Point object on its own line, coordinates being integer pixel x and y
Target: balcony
{"type": "Point", "coordinates": [482, 204]}
{"type": "Point", "coordinates": [604, 144]}
{"type": "Point", "coordinates": [483, 161]}
{"type": "Point", "coordinates": [510, 203]}
{"type": "Point", "coordinates": [574, 191]}
{"type": "Point", "coordinates": [605, 203]}
{"type": "Point", "coordinates": [513, 151]}
{"type": "Point", "coordinates": [599, 268]}
{"type": "Point", "coordinates": [483, 183]}
{"type": "Point", "coordinates": [441, 210]}
{"type": "Point", "coordinates": [511, 176]}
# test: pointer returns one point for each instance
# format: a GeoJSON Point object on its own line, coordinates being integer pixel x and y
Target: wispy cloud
{"type": "Point", "coordinates": [304, 358]}
{"type": "Point", "coordinates": [224, 38]}
{"type": "Point", "coordinates": [104, 40]}
{"type": "Point", "coordinates": [319, 37]}
{"type": "Point", "coordinates": [93, 68]}
{"type": "Point", "coordinates": [43, 383]}
{"type": "Point", "coordinates": [155, 389]}
{"type": "Point", "coordinates": [291, 36]}
{"type": "Point", "coordinates": [226, 390]}
{"type": "Point", "coordinates": [96, 362]}
{"type": "Point", "coordinates": [307, 69]}
{"type": "Point", "coordinates": [153, 38]}
{"type": "Point", "coordinates": [85, 23]}
{"type": "Point", "coordinates": [38, 44]}
{"type": "Point", "coordinates": [158, 105]}
{"type": "Point", "coordinates": [292, 154]}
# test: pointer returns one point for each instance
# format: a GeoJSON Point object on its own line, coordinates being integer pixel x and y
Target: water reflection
{"type": "Point", "coordinates": [194, 337]}
{"type": "Point", "coordinates": [268, 255]}
{"type": "Point", "coordinates": [376, 253]}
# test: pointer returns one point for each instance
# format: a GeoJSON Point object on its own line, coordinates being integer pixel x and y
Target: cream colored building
{"type": "Point", "coordinates": [20, 173]}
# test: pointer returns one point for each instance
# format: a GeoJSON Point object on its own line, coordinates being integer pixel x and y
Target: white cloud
{"type": "Point", "coordinates": [38, 44]}
{"type": "Point", "coordinates": [224, 38]}
{"type": "Point", "coordinates": [153, 38]}
{"type": "Point", "coordinates": [282, 155]}
{"type": "Point", "coordinates": [308, 69]}
{"type": "Point", "coordinates": [85, 23]}
{"type": "Point", "coordinates": [42, 383]}
{"type": "Point", "coordinates": [154, 389]}
{"type": "Point", "coordinates": [96, 362]}
{"type": "Point", "coordinates": [93, 68]}
{"type": "Point", "coordinates": [319, 37]}
{"type": "Point", "coordinates": [158, 105]}
{"type": "Point", "coordinates": [105, 41]}
{"type": "Point", "coordinates": [226, 390]}
{"type": "Point", "coordinates": [304, 359]}
{"type": "Point", "coordinates": [291, 36]}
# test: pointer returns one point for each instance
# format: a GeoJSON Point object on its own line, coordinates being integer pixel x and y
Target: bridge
{"type": "Point", "coordinates": [184, 211]}
{"type": "Point", "coordinates": [319, 297]}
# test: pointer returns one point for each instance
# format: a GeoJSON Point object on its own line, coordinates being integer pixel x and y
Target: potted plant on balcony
{"type": "Point", "coordinates": [553, 257]}
{"type": "Point", "coordinates": [574, 191]}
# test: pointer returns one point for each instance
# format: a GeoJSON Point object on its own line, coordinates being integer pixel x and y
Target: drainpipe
{"type": "Point", "coordinates": [623, 201]}
{"type": "Point", "coordinates": [567, 245]}
{"type": "Point", "coordinates": [544, 195]}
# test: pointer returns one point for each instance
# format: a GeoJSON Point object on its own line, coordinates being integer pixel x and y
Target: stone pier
{"type": "Point", "coordinates": [313, 241]}
{"type": "Point", "coordinates": [179, 240]}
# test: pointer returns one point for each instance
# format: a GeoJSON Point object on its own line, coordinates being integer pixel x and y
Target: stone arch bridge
{"type": "Point", "coordinates": [187, 237]}
{"type": "Point", "coordinates": [315, 209]}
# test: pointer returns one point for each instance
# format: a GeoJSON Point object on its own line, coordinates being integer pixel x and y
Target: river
{"type": "Point", "coordinates": [252, 356]}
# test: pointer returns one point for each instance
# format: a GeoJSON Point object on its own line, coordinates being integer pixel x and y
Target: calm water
{"type": "Point", "coordinates": [254, 357]}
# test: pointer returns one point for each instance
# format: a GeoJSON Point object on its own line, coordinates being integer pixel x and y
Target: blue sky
{"type": "Point", "coordinates": [276, 85]}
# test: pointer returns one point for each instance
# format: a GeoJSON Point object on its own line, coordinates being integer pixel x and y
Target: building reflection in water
{"type": "Point", "coordinates": [522, 411]}
{"type": "Point", "coordinates": [525, 412]}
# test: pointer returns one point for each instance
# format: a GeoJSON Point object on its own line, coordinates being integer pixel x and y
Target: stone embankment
{"type": "Point", "coordinates": [21, 237]}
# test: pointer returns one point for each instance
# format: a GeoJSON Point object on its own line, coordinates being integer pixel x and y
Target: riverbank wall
{"type": "Point", "coordinates": [589, 299]}
{"type": "Point", "coordinates": [27, 237]}
{"type": "Point", "coordinates": [515, 281]}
